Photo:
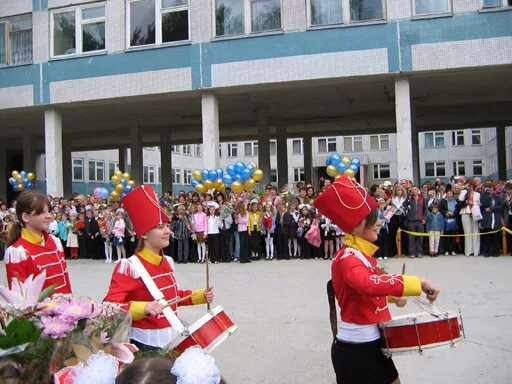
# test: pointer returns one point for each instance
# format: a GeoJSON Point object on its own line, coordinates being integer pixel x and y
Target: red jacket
{"type": "Point", "coordinates": [361, 288]}
{"type": "Point", "coordinates": [31, 254]}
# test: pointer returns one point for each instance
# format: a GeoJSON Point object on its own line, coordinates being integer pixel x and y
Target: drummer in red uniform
{"type": "Point", "coordinates": [31, 249]}
{"type": "Point", "coordinates": [361, 288]}
{"type": "Point", "coordinates": [151, 327]}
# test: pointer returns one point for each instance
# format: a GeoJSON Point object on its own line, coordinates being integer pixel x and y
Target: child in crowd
{"type": "Point", "coordinates": [435, 227]}
{"type": "Point", "coordinates": [255, 231]}
{"type": "Point", "coordinates": [282, 232]}
{"type": "Point", "coordinates": [290, 220]}
{"type": "Point", "coordinates": [304, 224]}
{"type": "Point", "coordinates": [182, 230]}
{"type": "Point", "coordinates": [193, 252]}
{"type": "Point", "coordinates": [212, 232]}
{"type": "Point", "coordinates": [226, 220]}
{"type": "Point", "coordinates": [269, 226]}
{"type": "Point", "coordinates": [200, 221]}
{"type": "Point", "coordinates": [242, 221]}
{"type": "Point", "coordinates": [62, 233]}
{"type": "Point", "coordinates": [118, 230]}
{"type": "Point", "coordinates": [72, 241]}
{"type": "Point", "coordinates": [383, 239]}
{"type": "Point", "coordinates": [329, 232]}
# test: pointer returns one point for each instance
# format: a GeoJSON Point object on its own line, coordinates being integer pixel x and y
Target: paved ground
{"type": "Point", "coordinates": [282, 314]}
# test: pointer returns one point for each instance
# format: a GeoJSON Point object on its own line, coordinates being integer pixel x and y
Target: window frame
{"type": "Point", "coordinates": [298, 171]}
{"type": "Point", "coordinates": [232, 147]}
{"type": "Point", "coordinates": [254, 149]}
{"type": "Point", "coordinates": [151, 170]}
{"type": "Point", "coordinates": [96, 163]}
{"type": "Point", "coordinates": [504, 4]}
{"type": "Point", "coordinates": [159, 11]}
{"type": "Point", "coordinates": [431, 14]}
{"type": "Point", "coordinates": [197, 150]}
{"type": "Point", "coordinates": [273, 147]}
{"type": "Point", "coordinates": [435, 135]}
{"type": "Point", "coordinates": [380, 140]}
{"type": "Point", "coordinates": [187, 176]}
{"type": "Point", "coordinates": [456, 167]}
{"type": "Point", "coordinates": [456, 136]}
{"type": "Point", "coordinates": [176, 148]}
{"type": "Point", "coordinates": [474, 164]}
{"type": "Point", "coordinates": [176, 176]}
{"type": "Point", "coordinates": [301, 144]}
{"type": "Point", "coordinates": [476, 132]}
{"type": "Point", "coordinates": [116, 167]}
{"type": "Point", "coordinates": [187, 149]}
{"type": "Point", "coordinates": [353, 140]}
{"type": "Point", "coordinates": [81, 159]}
{"type": "Point", "coordinates": [436, 167]}
{"type": "Point", "coordinates": [78, 29]}
{"type": "Point", "coordinates": [328, 141]}
{"type": "Point", "coordinates": [273, 175]}
{"type": "Point", "coordinates": [346, 16]}
{"type": "Point", "coordinates": [378, 168]}
{"type": "Point", "coordinates": [8, 21]}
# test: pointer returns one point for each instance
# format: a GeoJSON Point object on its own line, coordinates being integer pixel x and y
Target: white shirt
{"type": "Point", "coordinates": [355, 333]}
{"type": "Point", "coordinates": [213, 225]}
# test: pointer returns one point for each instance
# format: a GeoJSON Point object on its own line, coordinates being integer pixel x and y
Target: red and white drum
{"type": "Point", "coordinates": [208, 332]}
{"type": "Point", "coordinates": [417, 332]}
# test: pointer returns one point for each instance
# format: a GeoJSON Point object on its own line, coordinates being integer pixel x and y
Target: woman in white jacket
{"type": "Point", "coordinates": [469, 198]}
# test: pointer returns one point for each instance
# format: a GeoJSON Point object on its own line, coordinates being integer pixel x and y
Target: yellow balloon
{"type": "Point", "coordinates": [114, 195]}
{"type": "Point", "coordinates": [115, 180]}
{"type": "Point", "coordinates": [126, 176]}
{"type": "Point", "coordinates": [208, 184]}
{"type": "Point", "coordinates": [119, 188]}
{"type": "Point", "coordinates": [21, 187]}
{"type": "Point", "coordinates": [221, 187]}
{"type": "Point", "coordinates": [197, 175]}
{"type": "Point", "coordinates": [18, 178]}
{"type": "Point", "coordinates": [257, 175]}
{"type": "Point", "coordinates": [218, 182]}
{"type": "Point", "coordinates": [345, 160]}
{"type": "Point", "coordinates": [200, 188]}
{"type": "Point", "coordinates": [31, 176]}
{"type": "Point", "coordinates": [118, 173]}
{"type": "Point", "coordinates": [332, 171]}
{"type": "Point", "coordinates": [15, 173]}
{"type": "Point", "coordinates": [132, 183]}
{"type": "Point", "coordinates": [237, 187]}
{"type": "Point", "coordinates": [350, 173]}
{"type": "Point", "coordinates": [249, 183]}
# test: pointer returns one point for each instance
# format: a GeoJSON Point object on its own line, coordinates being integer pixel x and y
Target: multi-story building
{"type": "Point", "coordinates": [86, 75]}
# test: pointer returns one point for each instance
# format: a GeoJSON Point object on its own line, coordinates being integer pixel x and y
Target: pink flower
{"type": "Point", "coordinates": [55, 327]}
{"type": "Point", "coordinates": [51, 307]}
{"type": "Point", "coordinates": [24, 293]}
{"type": "Point", "coordinates": [104, 339]}
{"type": "Point", "coordinates": [78, 309]}
{"type": "Point", "coordinates": [124, 352]}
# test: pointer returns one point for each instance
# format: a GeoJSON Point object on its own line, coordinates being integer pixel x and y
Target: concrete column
{"type": "Point", "coordinates": [53, 151]}
{"type": "Point", "coordinates": [404, 131]}
{"type": "Point", "coordinates": [282, 155]}
{"type": "Point", "coordinates": [263, 150]}
{"type": "Point", "coordinates": [4, 177]}
{"type": "Point", "coordinates": [308, 158]}
{"type": "Point", "coordinates": [501, 147]}
{"type": "Point", "coordinates": [122, 157]}
{"type": "Point", "coordinates": [67, 166]}
{"type": "Point", "coordinates": [166, 161]}
{"type": "Point", "coordinates": [28, 152]}
{"type": "Point", "coordinates": [136, 154]}
{"type": "Point", "coordinates": [210, 117]}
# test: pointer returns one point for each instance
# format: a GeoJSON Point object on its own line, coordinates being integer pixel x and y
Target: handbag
{"type": "Point", "coordinates": [313, 235]}
{"type": "Point", "coordinates": [476, 213]}
{"type": "Point", "coordinates": [450, 224]}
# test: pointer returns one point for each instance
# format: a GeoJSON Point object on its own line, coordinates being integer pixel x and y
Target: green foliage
{"type": "Point", "coordinates": [18, 332]}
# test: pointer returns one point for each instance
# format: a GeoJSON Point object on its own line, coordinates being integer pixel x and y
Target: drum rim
{"type": "Point", "coordinates": [407, 319]}
{"type": "Point", "coordinates": [205, 319]}
{"type": "Point", "coordinates": [221, 338]}
{"type": "Point", "coordinates": [426, 347]}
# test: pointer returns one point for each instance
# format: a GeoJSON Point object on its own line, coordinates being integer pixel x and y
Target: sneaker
{"type": "Point", "coordinates": [453, 253]}
{"type": "Point", "coordinates": [446, 253]}
{"type": "Point", "coordinates": [411, 256]}
{"type": "Point", "coordinates": [419, 256]}
{"type": "Point", "coordinates": [385, 258]}
{"type": "Point", "coordinates": [379, 258]}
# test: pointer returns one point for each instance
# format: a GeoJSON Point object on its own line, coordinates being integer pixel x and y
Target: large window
{"type": "Point", "coordinates": [434, 139]}
{"type": "Point", "coordinates": [273, 147]}
{"type": "Point", "coordinates": [237, 17]}
{"type": "Point", "coordinates": [187, 176]}
{"type": "Point", "coordinates": [365, 10]}
{"type": "Point", "coordinates": [112, 167]}
{"type": "Point", "coordinates": [78, 170]}
{"type": "Point", "coordinates": [157, 21]}
{"type": "Point", "coordinates": [297, 146]}
{"type": "Point", "coordinates": [232, 149]}
{"type": "Point", "coordinates": [496, 3]}
{"type": "Point", "coordinates": [273, 175]}
{"type": "Point", "coordinates": [435, 169]}
{"type": "Point", "coordinates": [458, 138]}
{"type": "Point", "coordinates": [298, 174]}
{"type": "Point", "coordinates": [325, 12]}
{"type": "Point", "coordinates": [478, 166]}
{"type": "Point", "coordinates": [327, 144]}
{"type": "Point", "coordinates": [459, 168]}
{"type": "Point", "coordinates": [381, 171]}
{"type": "Point", "coordinates": [476, 137]}
{"type": "Point", "coordinates": [16, 40]}
{"type": "Point", "coordinates": [431, 7]}
{"type": "Point", "coordinates": [176, 175]}
{"type": "Point", "coordinates": [96, 170]}
{"type": "Point", "coordinates": [251, 148]}
{"type": "Point", "coordinates": [379, 142]}
{"type": "Point", "coordinates": [197, 150]}
{"type": "Point", "coordinates": [187, 149]}
{"type": "Point", "coordinates": [149, 174]}
{"type": "Point", "coordinates": [353, 143]}
{"type": "Point", "coordinates": [175, 149]}
{"type": "Point", "coordinates": [78, 30]}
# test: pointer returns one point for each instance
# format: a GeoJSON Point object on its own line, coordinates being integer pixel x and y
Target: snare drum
{"type": "Point", "coordinates": [417, 332]}
{"type": "Point", "coordinates": [208, 332]}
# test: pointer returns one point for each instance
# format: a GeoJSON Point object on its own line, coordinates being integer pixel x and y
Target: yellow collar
{"type": "Point", "coordinates": [360, 244]}
{"type": "Point", "coordinates": [150, 256]}
{"type": "Point", "coordinates": [31, 237]}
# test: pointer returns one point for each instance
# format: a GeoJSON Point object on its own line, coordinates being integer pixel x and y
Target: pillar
{"type": "Point", "coordinates": [501, 150]}
{"type": "Point", "coordinates": [67, 167]}
{"type": "Point", "coordinates": [28, 152]}
{"type": "Point", "coordinates": [122, 157]}
{"type": "Point", "coordinates": [263, 149]}
{"type": "Point", "coordinates": [407, 144]}
{"type": "Point", "coordinates": [308, 158]}
{"type": "Point", "coordinates": [282, 155]}
{"type": "Point", "coordinates": [166, 161]}
{"type": "Point", "coordinates": [4, 177]}
{"type": "Point", "coordinates": [210, 118]}
{"type": "Point", "coordinates": [137, 165]}
{"type": "Point", "coordinates": [53, 152]}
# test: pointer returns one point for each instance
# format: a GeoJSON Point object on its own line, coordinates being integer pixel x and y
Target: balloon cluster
{"type": "Point", "coordinates": [100, 193]}
{"type": "Point", "coordinates": [122, 184]}
{"type": "Point", "coordinates": [238, 176]}
{"type": "Point", "coordinates": [21, 180]}
{"type": "Point", "coordinates": [337, 166]}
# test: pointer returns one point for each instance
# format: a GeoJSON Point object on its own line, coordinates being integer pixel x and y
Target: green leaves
{"type": "Point", "coordinates": [46, 292]}
{"type": "Point", "coordinates": [19, 331]}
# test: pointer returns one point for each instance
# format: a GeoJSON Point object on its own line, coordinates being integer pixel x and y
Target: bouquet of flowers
{"type": "Point", "coordinates": [80, 225]}
{"type": "Point", "coordinates": [43, 335]}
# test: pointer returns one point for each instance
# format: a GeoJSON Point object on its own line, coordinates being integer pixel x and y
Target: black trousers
{"type": "Point", "coordinates": [225, 238]}
{"type": "Point", "coordinates": [214, 247]}
{"type": "Point", "coordinates": [284, 253]}
{"type": "Point", "coordinates": [244, 246]}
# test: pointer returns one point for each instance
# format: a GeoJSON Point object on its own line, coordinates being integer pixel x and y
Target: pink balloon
{"type": "Point", "coordinates": [97, 193]}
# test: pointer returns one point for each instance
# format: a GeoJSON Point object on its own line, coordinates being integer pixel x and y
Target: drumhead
{"type": "Point", "coordinates": [418, 318]}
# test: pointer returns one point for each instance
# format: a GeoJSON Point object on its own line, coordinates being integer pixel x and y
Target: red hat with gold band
{"type": "Point", "coordinates": [144, 210]}
{"type": "Point", "coordinates": [346, 203]}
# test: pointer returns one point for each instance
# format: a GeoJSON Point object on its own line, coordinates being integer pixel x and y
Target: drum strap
{"type": "Point", "coordinates": [157, 294]}
{"type": "Point", "coordinates": [332, 309]}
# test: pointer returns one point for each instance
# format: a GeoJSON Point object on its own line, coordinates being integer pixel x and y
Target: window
{"type": "Point", "coordinates": [187, 176]}
{"type": "Point", "coordinates": [159, 174]}
{"type": "Point", "coordinates": [112, 168]}
{"type": "Point", "coordinates": [381, 171]}
{"type": "Point", "coordinates": [16, 40]}
{"type": "Point", "coordinates": [176, 175]}
{"type": "Point", "coordinates": [458, 138]}
{"type": "Point", "coordinates": [157, 21]}
{"type": "Point", "coordinates": [78, 170]}
{"type": "Point", "coordinates": [478, 167]}
{"type": "Point", "coordinates": [476, 137]}
{"type": "Point", "coordinates": [237, 17]}
{"type": "Point", "coordinates": [364, 10]}
{"type": "Point", "coordinates": [298, 174]}
{"type": "Point", "coordinates": [459, 168]}
{"type": "Point", "coordinates": [496, 3]}
{"type": "Point", "coordinates": [273, 147]}
{"type": "Point", "coordinates": [297, 146]}
{"type": "Point", "coordinates": [187, 149]}
{"type": "Point", "coordinates": [251, 148]}
{"type": "Point", "coordinates": [434, 139]}
{"type": "Point", "coordinates": [149, 174]}
{"type": "Point", "coordinates": [325, 12]}
{"type": "Point", "coordinates": [96, 170]}
{"type": "Point", "coordinates": [220, 151]}
{"type": "Point", "coordinates": [435, 169]}
{"type": "Point", "coordinates": [273, 175]}
{"type": "Point", "coordinates": [379, 142]}
{"type": "Point", "coordinates": [430, 7]}
{"type": "Point", "coordinates": [327, 144]}
{"type": "Point", "coordinates": [79, 30]}
{"type": "Point", "coordinates": [175, 149]}
{"type": "Point", "coordinates": [353, 143]}
{"type": "Point", "coordinates": [197, 150]}
{"type": "Point", "coordinates": [232, 149]}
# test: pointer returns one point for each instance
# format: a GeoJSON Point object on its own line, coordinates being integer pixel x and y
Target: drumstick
{"type": "Point", "coordinates": [207, 279]}
{"type": "Point", "coordinates": [403, 269]}
{"type": "Point", "coordinates": [176, 300]}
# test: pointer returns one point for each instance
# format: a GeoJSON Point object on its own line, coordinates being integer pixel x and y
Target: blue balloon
{"type": "Point", "coordinates": [29, 185]}
{"type": "Point", "coordinates": [341, 168]}
{"type": "Point", "coordinates": [124, 182]}
{"type": "Point", "coordinates": [13, 181]}
{"type": "Point", "coordinates": [239, 178]}
{"type": "Point", "coordinates": [194, 183]}
{"type": "Point", "coordinates": [246, 174]}
{"type": "Point", "coordinates": [230, 169]}
{"type": "Point", "coordinates": [104, 193]}
{"type": "Point", "coordinates": [239, 167]}
{"type": "Point", "coordinates": [212, 175]}
{"type": "Point", "coordinates": [354, 167]}
{"type": "Point", "coordinates": [335, 160]}
{"type": "Point", "coordinates": [123, 194]}
{"type": "Point", "coordinates": [205, 174]}
{"type": "Point", "coordinates": [355, 161]}
{"type": "Point", "coordinates": [23, 174]}
{"type": "Point", "coordinates": [26, 182]}
{"type": "Point", "coordinates": [128, 188]}
{"type": "Point", "coordinates": [220, 173]}
{"type": "Point", "coordinates": [228, 179]}
{"type": "Point", "coordinates": [250, 167]}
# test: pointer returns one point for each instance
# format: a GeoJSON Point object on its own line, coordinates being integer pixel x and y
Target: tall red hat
{"type": "Point", "coordinates": [144, 210]}
{"type": "Point", "coordinates": [346, 203]}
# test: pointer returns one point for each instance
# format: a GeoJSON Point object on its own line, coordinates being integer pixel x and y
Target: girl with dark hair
{"type": "Point", "coordinates": [31, 249]}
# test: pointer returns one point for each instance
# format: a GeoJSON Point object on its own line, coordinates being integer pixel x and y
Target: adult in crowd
{"type": "Point", "coordinates": [415, 221]}
{"type": "Point", "coordinates": [469, 201]}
